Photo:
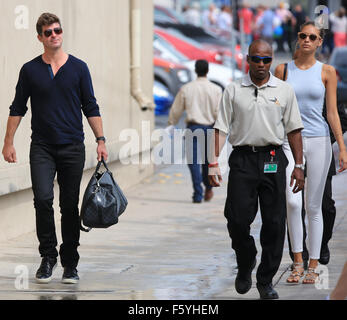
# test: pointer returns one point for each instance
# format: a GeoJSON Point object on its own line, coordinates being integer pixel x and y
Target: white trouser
{"type": "Point", "coordinates": [317, 155]}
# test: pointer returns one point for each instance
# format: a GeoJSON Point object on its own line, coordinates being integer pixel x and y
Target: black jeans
{"type": "Point", "coordinates": [247, 185]}
{"type": "Point", "coordinates": [328, 211]}
{"type": "Point", "coordinates": [67, 161]}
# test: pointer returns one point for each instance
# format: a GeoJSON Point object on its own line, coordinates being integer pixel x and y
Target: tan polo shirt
{"type": "Point", "coordinates": [258, 118]}
{"type": "Point", "coordinates": [200, 99]}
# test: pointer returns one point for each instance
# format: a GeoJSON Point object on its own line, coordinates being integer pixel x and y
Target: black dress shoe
{"type": "Point", "coordinates": [44, 272]}
{"type": "Point", "coordinates": [324, 255]}
{"type": "Point", "coordinates": [243, 281]}
{"type": "Point", "coordinates": [267, 292]}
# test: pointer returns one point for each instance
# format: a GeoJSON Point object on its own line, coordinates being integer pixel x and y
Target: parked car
{"type": "Point", "coordinates": [190, 48]}
{"type": "Point", "coordinates": [338, 60]}
{"type": "Point", "coordinates": [168, 18]}
{"type": "Point", "coordinates": [218, 74]}
{"type": "Point", "coordinates": [199, 34]}
{"type": "Point", "coordinates": [207, 42]}
{"type": "Point", "coordinates": [163, 99]}
{"type": "Point", "coordinates": [165, 16]}
{"type": "Point", "coordinates": [170, 74]}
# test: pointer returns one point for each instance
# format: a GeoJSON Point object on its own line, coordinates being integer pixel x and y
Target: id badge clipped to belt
{"type": "Point", "coordinates": [272, 166]}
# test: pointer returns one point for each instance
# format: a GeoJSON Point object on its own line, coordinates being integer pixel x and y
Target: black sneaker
{"type": "Point", "coordinates": [44, 272]}
{"type": "Point", "coordinates": [70, 276]}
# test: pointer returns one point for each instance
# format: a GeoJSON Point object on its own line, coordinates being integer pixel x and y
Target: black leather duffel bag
{"type": "Point", "coordinates": [103, 201]}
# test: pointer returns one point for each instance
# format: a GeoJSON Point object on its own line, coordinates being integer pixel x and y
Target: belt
{"type": "Point", "coordinates": [192, 123]}
{"type": "Point", "coordinates": [257, 149]}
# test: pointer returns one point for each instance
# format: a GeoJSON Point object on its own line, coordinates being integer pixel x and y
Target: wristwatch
{"type": "Point", "coordinates": [100, 138]}
{"type": "Point", "coordinates": [300, 166]}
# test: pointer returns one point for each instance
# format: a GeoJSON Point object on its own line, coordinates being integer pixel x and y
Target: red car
{"type": "Point", "coordinates": [189, 47]}
{"type": "Point", "coordinates": [172, 75]}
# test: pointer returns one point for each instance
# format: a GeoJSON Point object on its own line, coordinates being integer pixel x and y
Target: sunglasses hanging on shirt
{"type": "Point", "coordinates": [49, 32]}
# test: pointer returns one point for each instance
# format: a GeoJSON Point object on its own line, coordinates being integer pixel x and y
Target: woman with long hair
{"type": "Point", "coordinates": [313, 82]}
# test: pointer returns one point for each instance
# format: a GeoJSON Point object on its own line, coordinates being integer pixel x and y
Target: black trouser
{"type": "Point", "coordinates": [247, 185]}
{"type": "Point", "coordinates": [67, 161]}
{"type": "Point", "coordinates": [329, 212]}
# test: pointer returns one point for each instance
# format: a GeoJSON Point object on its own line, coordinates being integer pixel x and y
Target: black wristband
{"type": "Point", "coordinates": [100, 138]}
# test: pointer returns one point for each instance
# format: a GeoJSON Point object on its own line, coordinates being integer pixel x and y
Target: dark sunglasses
{"type": "Point", "coordinates": [257, 59]}
{"type": "Point", "coordinates": [49, 32]}
{"type": "Point", "coordinates": [303, 36]}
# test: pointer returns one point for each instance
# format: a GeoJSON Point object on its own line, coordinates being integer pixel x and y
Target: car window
{"type": "Point", "coordinates": [163, 53]}
{"type": "Point", "coordinates": [169, 48]}
{"type": "Point", "coordinates": [177, 16]}
{"type": "Point", "coordinates": [158, 14]}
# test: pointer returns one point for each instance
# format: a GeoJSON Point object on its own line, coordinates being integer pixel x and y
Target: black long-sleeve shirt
{"type": "Point", "coordinates": [57, 102]}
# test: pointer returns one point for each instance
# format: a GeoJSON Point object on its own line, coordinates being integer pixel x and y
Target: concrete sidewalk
{"type": "Point", "coordinates": [164, 247]}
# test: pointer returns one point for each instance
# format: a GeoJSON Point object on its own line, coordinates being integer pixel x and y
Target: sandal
{"type": "Point", "coordinates": [311, 277]}
{"type": "Point", "coordinates": [297, 273]}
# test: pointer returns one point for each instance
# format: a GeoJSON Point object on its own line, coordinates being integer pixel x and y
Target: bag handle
{"type": "Point", "coordinates": [99, 165]}
{"type": "Point", "coordinates": [285, 71]}
{"type": "Point", "coordinates": [82, 228]}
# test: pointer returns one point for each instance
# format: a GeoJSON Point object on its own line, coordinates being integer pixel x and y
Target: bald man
{"type": "Point", "coordinates": [257, 112]}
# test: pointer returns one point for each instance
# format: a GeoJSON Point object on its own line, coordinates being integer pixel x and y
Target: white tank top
{"type": "Point", "coordinates": [310, 93]}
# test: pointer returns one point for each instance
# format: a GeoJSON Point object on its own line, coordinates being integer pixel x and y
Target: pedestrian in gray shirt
{"type": "Point", "coordinates": [257, 112]}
